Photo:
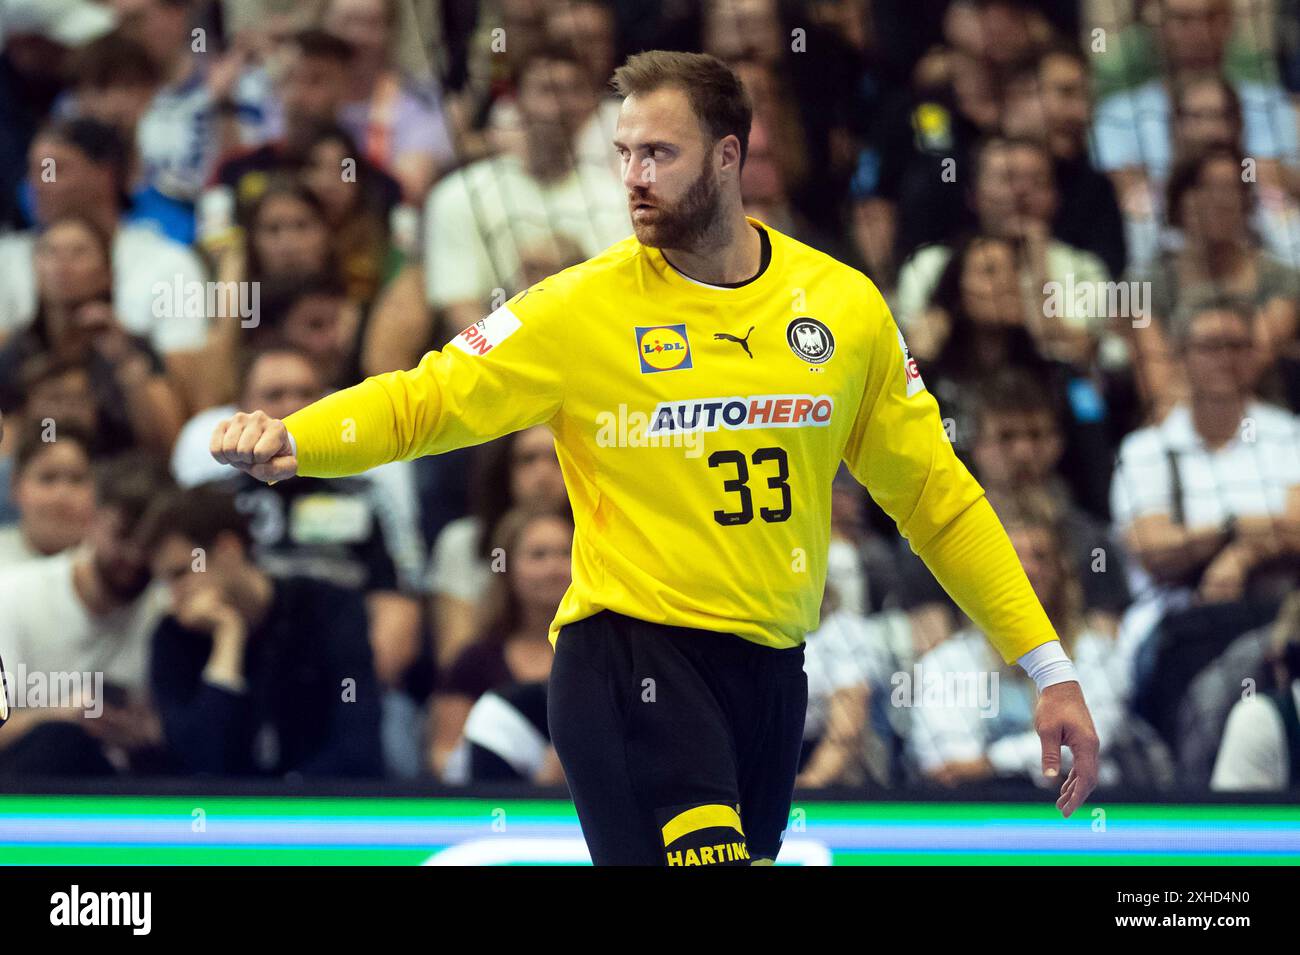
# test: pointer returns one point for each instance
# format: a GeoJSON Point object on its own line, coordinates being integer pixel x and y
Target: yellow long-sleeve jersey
{"type": "Point", "coordinates": [698, 430]}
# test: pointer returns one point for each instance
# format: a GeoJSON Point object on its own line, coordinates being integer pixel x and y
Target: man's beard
{"type": "Point", "coordinates": [688, 221]}
{"type": "Point", "coordinates": [124, 582]}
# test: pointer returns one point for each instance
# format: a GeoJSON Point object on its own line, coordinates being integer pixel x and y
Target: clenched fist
{"type": "Point", "coordinates": [256, 444]}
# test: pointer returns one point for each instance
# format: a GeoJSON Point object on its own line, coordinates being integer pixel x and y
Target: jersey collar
{"type": "Point", "coordinates": [763, 284]}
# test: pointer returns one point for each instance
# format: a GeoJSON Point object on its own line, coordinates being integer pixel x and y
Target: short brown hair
{"type": "Point", "coordinates": [715, 92]}
{"type": "Point", "coordinates": [198, 514]}
{"type": "Point", "coordinates": [111, 61]}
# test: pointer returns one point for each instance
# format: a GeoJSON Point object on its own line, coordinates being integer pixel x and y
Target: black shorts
{"type": "Point", "coordinates": [680, 746]}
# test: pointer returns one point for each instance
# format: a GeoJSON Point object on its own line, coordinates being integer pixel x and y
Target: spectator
{"type": "Point", "coordinates": [925, 134]}
{"type": "Point", "coordinates": [75, 321]}
{"type": "Point", "coordinates": [764, 178]}
{"type": "Point", "coordinates": [209, 104]}
{"type": "Point", "coordinates": [847, 660]}
{"type": "Point", "coordinates": [1016, 446]}
{"type": "Point", "coordinates": [985, 727]}
{"type": "Point", "coordinates": [288, 257]}
{"type": "Point", "coordinates": [87, 610]}
{"type": "Point", "coordinates": [1260, 750]}
{"type": "Point", "coordinates": [49, 392]}
{"type": "Point", "coordinates": [481, 220]}
{"type": "Point", "coordinates": [52, 491]}
{"type": "Point", "coordinates": [255, 675]}
{"type": "Point", "coordinates": [1208, 500]}
{"type": "Point", "coordinates": [80, 167]}
{"type": "Point", "coordinates": [357, 199]}
{"type": "Point", "coordinates": [356, 532]}
{"type": "Point", "coordinates": [519, 470]}
{"type": "Point", "coordinates": [512, 651]}
{"type": "Point", "coordinates": [114, 82]}
{"type": "Point", "coordinates": [588, 29]}
{"type": "Point", "coordinates": [1047, 99]}
{"type": "Point", "coordinates": [1212, 207]}
{"type": "Point", "coordinates": [1207, 117]}
{"type": "Point", "coordinates": [976, 325]}
{"type": "Point", "coordinates": [1015, 198]}
{"type": "Point", "coordinates": [400, 125]}
{"type": "Point", "coordinates": [1132, 138]}
{"type": "Point", "coordinates": [36, 37]}
{"type": "Point", "coordinates": [311, 89]}
{"type": "Point", "coordinates": [860, 564]}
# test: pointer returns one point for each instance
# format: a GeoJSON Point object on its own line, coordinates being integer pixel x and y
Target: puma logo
{"type": "Point", "coordinates": [742, 342]}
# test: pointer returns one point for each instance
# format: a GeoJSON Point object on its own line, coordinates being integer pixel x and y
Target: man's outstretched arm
{"type": "Point", "coordinates": [499, 375]}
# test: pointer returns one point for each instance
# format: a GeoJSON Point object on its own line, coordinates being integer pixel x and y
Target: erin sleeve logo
{"type": "Point", "coordinates": [662, 348]}
{"type": "Point", "coordinates": [911, 373]}
{"type": "Point", "coordinates": [487, 333]}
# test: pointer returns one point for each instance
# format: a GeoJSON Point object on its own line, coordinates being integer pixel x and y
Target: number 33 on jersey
{"type": "Point", "coordinates": [698, 428]}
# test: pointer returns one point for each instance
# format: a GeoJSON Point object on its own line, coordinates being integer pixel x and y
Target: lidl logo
{"type": "Point", "coordinates": [663, 348]}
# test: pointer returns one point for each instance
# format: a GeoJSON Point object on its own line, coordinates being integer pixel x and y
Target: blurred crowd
{"type": "Point", "coordinates": [1084, 215]}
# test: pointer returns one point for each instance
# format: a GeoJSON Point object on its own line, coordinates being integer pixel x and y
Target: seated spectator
{"type": "Point", "coordinates": [847, 659]}
{"type": "Point", "coordinates": [357, 532]}
{"type": "Point", "coordinates": [906, 195]}
{"type": "Point", "coordinates": [115, 81]}
{"type": "Point", "coordinates": [48, 392]}
{"type": "Point", "coordinates": [1132, 139]}
{"type": "Point", "coordinates": [289, 259]}
{"type": "Point", "coordinates": [1016, 447]}
{"type": "Point", "coordinates": [76, 322]}
{"type": "Point", "coordinates": [36, 42]}
{"type": "Point", "coordinates": [860, 565]}
{"type": "Point", "coordinates": [1207, 117]}
{"type": "Point", "coordinates": [1047, 100]}
{"type": "Point", "coordinates": [1210, 205]}
{"type": "Point", "coordinates": [976, 326]}
{"type": "Point", "coordinates": [518, 470]}
{"type": "Point", "coordinates": [51, 488]}
{"type": "Point", "coordinates": [589, 29]}
{"type": "Point", "coordinates": [209, 105]}
{"type": "Point", "coordinates": [311, 89]}
{"type": "Point", "coordinates": [532, 572]}
{"type": "Point", "coordinates": [357, 200]}
{"type": "Point", "coordinates": [255, 675]}
{"type": "Point", "coordinates": [1208, 500]}
{"type": "Point", "coordinates": [87, 610]}
{"type": "Point", "coordinates": [983, 728]}
{"type": "Point", "coordinates": [480, 220]}
{"type": "Point", "coordinates": [92, 166]}
{"type": "Point", "coordinates": [401, 125]}
{"type": "Point", "coordinates": [1260, 751]}
{"type": "Point", "coordinates": [1015, 199]}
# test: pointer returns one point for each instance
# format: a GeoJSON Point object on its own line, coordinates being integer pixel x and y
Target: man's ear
{"type": "Point", "coordinates": [729, 146]}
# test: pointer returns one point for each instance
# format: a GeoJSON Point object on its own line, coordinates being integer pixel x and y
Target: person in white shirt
{"type": "Point", "coordinates": [1260, 748]}
{"type": "Point", "coordinates": [484, 222]}
{"type": "Point", "coordinates": [1208, 500]}
{"type": "Point", "coordinates": [972, 715]}
{"type": "Point", "coordinates": [79, 167]}
{"type": "Point", "coordinates": [86, 613]}
{"type": "Point", "coordinates": [51, 486]}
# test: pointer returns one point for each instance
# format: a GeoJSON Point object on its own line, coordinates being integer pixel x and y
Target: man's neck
{"type": "Point", "coordinates": [731, 252]}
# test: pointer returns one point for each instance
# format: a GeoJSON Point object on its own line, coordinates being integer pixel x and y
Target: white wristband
{"type": "Point", "coordinates": [1047, 665]}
